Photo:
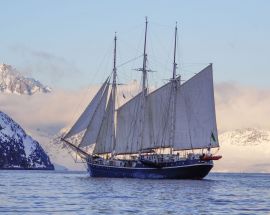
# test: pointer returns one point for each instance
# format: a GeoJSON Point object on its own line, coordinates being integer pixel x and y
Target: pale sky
{"type": "Point", "coordinates": [69, 44]}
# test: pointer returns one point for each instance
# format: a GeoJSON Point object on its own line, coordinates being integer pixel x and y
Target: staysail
{"type": "Point", "coordinates": [84, 120]}
{"type": "Point", "coordinates": [92, 131]}
{"type": "Point", "coordinates": [104, 143]}
{"type": "Point", "coordinates": [195, 124]}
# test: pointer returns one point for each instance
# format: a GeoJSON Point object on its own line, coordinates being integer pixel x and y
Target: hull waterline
{"type": "Point", "coordinates": [192, 171]}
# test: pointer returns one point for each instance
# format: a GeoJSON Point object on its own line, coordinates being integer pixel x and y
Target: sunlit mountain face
{"type": "Point", "coordinates": [19, 150]}
{"type": "Point", "coordinates": [12, 81]}
{"type": "Point", "coordinates": [244, 150]}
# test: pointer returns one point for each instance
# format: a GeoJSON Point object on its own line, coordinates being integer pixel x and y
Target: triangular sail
{"type": "Point", "coordinates": [91, 133]}
{"type": "Point", "coordinates": [104, 143]}
{"type": "Point", "coordinates": [195, 124]}
{"type": "Point", "coordinates": [85, 118]}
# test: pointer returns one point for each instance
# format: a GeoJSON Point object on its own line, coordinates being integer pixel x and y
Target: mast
{"type": "Point", "coordinates": [144, 59]}
{"type": "Point", "coordinates": [144, 85]}
{"type": "Point", "coordinates": [114, 94]}
{"type": "Point", "coordinates": [174, 53]}
{"type": "Point", "coordinates": [173, 95]}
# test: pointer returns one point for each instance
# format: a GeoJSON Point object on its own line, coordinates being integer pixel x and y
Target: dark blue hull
{"type": "Point", "coordinates": [177, 170]}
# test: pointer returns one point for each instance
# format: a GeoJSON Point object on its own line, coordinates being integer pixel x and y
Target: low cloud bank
{"type": "Point", "coordinates": [236, 106]}
{"type": "Point", "coordinates": [242, 106]}
{"type": "Point", "coordinates": [49, 112]}
{"type": "Point", "coordinates": [52, 111]}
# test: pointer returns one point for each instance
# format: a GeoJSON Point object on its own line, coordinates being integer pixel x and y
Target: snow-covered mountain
{"type": "Point", "coordinates": [61, 156]}
{"type": "Point", "coordinates": [246, 137]}
{"type": "Point", "coordinates": [244, 150]}
{"type": "Point", "coordinates": [12, 81]}
{"type": "Point", "coordinates": [18, 150]}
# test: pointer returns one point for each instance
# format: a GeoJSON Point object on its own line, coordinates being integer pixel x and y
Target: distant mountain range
{"type": "Point", "coordinates": [12, 81]}
{"type": "Point", "coordinates": [243, 150]}
{"type": "Point", "coordinates": [18, 150]}
{"type": "Point", "coordinates": [246, 137]}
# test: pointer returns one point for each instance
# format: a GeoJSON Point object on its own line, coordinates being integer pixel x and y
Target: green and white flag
{"type": "Point", "coordinates": [213, 136]}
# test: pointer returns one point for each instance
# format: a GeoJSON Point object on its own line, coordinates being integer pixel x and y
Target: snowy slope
{"type": "Point", "coordinates": [244, 150]}
{"type": "Point", "coordinates": [19, 150]}
{"type": "Point", "coordinates": [61, 156]}
{"type": "Point", "coordinates": [11, 81]}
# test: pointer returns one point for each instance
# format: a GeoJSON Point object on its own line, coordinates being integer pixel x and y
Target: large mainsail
{"type": "Point", "coordinates": [92, 131]}
{"type": "Point", "coordinates": [195, 124]}
{"type": "Point", "coordinates": [128, 126]}
{"type": "Point", "coordinates": [157, 118]}
{"type": "Point", "coordinates": [156, 127]}
{"type": "Point", "coordinates": [85, 118]}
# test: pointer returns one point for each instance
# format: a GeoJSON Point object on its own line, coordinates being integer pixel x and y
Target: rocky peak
{"type": "Point", "coordinates": [12, 81]}
{"type": "Point", "coordinates": [246, 136]}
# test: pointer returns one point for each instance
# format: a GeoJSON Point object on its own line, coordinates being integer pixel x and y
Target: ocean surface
{"type": "Point", "coordinates": [48, 192]}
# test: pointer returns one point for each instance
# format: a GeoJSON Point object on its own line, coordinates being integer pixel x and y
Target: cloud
{"type": "Point", "coordinates": [46, 65]}
{"type": "Point", "coordinates": [51, 112]}
{"type": "Point", "coordinates": [236, 106]}
{"type": "Point", "coordinates": [240, 106]}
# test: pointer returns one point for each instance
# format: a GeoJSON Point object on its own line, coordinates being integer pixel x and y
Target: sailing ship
{"type": "Point", "coordinates": [164, 134]}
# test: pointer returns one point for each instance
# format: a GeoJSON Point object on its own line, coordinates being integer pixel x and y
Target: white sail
{"type": "Point", "coordinates": [85, 118]}
{"type": "Point", "coordinates": [195, 124]}
{"type": "Point", "coordinates": [104, 143]}
{"type": "Point", "coordinates": [128, 126]}
{"type": "Point", "coordinates": [157, 124]}
{"type": "Point", "coordinates": [91, 133]}
{"type": "Point", "coordinates": [195, 119]}
{"type": "Point", "coordinates": [156, 127]}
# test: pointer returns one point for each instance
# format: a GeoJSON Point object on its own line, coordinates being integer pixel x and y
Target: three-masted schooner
{"type": "Point", "coordinates": [164, 134]}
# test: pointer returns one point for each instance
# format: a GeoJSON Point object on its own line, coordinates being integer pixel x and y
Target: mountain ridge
{"type": "Point", "coordinates": [19, 150]}
{"type": "Point", "coordinates": [12, 81]}
{"type": "Point", "coordinates": [240, 154]}
{"type": "Point", "coordinates": [246, 136]}
{"type": "Point", "coordinates": [244, 150]}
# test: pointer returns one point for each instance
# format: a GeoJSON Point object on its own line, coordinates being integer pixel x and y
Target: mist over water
{"type": "Point", "coordinates": [37, 192]}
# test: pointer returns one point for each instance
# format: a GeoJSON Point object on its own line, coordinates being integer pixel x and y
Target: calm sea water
{"type": "Point", "coordinates": [37, 192]}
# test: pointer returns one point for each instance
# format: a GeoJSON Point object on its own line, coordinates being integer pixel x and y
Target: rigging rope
{"type": "Point", "coordinates": [133, 59]}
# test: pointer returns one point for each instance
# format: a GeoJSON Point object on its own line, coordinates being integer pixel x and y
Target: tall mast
{"type": "Point", "coordinates": [144, 85]}
{"type": "Point", "coordinates": [173, 93]}
{"type": "Point", "coordinates": [144, 58]}
{"type": "Point", "coordinates": [174, 53]}
{"type": "Point", "coordinates": [114, 62]}
{"type": "Point", "coordinates": [114, 93]}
